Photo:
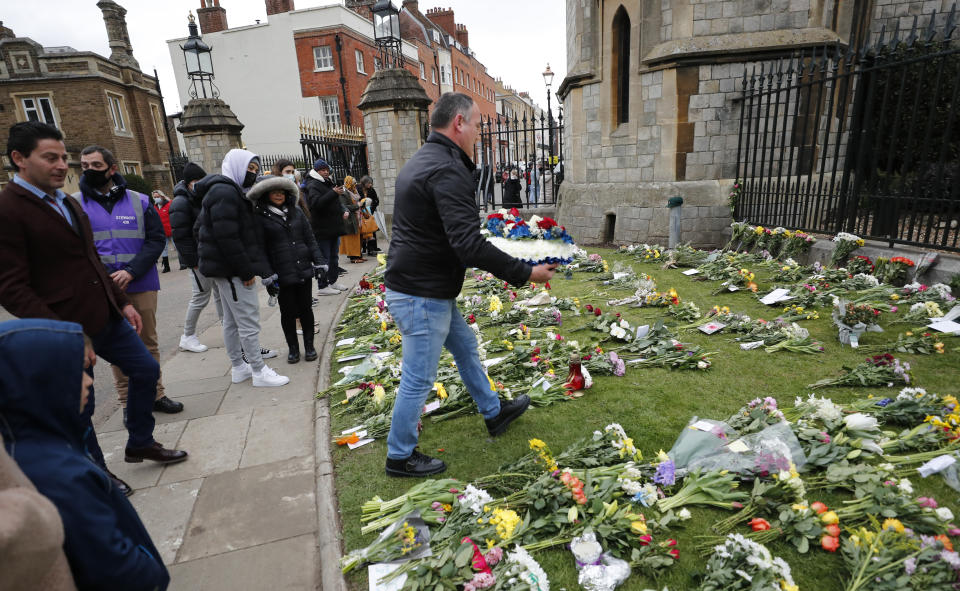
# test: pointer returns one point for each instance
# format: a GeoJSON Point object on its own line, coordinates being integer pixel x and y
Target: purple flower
{"type": "Point", "coordinates": [951, 558]}
{"type": "Point", "coordinates": [619, 367]}
{"type": "Point", "coordinates": [910, 565]}
{"type": "Point", "coordinates": [884, 401]}
{"type": "Point", "coordinates": [666, 473]}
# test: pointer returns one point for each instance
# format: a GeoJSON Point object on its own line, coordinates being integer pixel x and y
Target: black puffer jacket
{"type": "Point", "coordinates": [230, 239]}
{"type": "Point", "coordinates": [326, 213]}
{"type": "Point", "coordinates": [436, 229]}
{"type": "Point", "coordinates": [290, 245]}
{"type": "Point", "coordinates": [183, 215]}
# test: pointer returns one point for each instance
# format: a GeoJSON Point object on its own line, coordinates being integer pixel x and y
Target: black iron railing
{"type": "Point", "coordinates": [864, 141]}
{"type": "Point", "coordinates": [344, 149]}
{"type": "Point", "coordinates": [533, 148]}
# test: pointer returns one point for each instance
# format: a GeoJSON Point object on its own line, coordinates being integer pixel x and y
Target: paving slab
{"type": "Point", "coordinates": [165, 511]}
{"type": "Point", "coordinates": [302, 387]}
{"type": "Point", "coordinates": [212, 363]}
{"type": "Point", "coordinates": [215, 444]}
{"type": "Point", "coordinates": [287, 565]}
{"type": "Point", "coordinates": [195, 406]}
{"type": "Point", "coordinates": [252, 506]}
{"type": "Point", "coordinates": [202, 386]}
{"type": "Point", "coordinates": [146, 473]}
{"type": "Point", "coordinates": [279, 433]}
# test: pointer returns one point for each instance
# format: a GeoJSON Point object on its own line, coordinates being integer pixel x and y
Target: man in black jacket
{"type": "Point", "coordinates": [326, 218]}
{"type": "Point", "coordinates": [183, 215]}
{"type": "Point", "coordinates": [436, 236]}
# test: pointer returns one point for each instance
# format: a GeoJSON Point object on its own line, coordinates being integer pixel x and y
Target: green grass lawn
{"type": "Point", "coordinates": [653, 406]}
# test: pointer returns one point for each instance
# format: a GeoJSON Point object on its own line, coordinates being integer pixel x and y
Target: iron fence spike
{"type": "Point", "coordinates": [912, 37]}
{"type": "Point", "coordinates": [950, 24]}
{"type": "Point", "coordinates": [931, 31]}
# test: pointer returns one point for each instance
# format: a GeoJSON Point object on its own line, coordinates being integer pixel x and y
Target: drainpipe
{"type": "Point", "coordinates": [343, 80]}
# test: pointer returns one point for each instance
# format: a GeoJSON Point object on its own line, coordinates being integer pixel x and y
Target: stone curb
{"type": "Point", "coordinates": [328, 514]}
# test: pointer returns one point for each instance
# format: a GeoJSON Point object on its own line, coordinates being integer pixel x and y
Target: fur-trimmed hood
{"type": "Point", "coordinates": [258, 193]}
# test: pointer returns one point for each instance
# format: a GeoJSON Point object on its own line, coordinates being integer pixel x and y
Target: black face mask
{"type": "Point", "coordinates": [249, 179]}
{"type": "Point", "coordinates": [95, 178]}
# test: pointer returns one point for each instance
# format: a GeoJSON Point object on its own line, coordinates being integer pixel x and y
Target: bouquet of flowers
{"type": "Point", "coordinates": [894, 271]}
{"type": "Point", "coordinates": [739, 232]}
{"type": "Point", "coordinates": [740, 563]}
{"type": "Point", "coordinates": [879, 370]}
{"type": "Point", "coordinates": [542, 240]}
{"type": "Point", "coordinates": [860, 264]}
{"type": "Point", "coordinates": [798, 243]}
{"type": "Point", "coordinates": [646, 253]}
{"type": "Point", "coordinates": [859, 314]}
{"type": "Point", "coordinates": [846, 244]}
{"type": "Point", "coordinates": [888, 557]}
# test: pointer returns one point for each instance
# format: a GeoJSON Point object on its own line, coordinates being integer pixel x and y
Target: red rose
{"type": "Point", "coordinates": [597, 312]}
{"type": "Point", "coordinates": [547, 285]}
{"type": "Point", "coordinates": [514, 212]}
{"type": "Point", "coordinates": [495, 216]}
{"type": "Point", "coordinates": [819, 507]}
{"type": "Point", "coordinates": [830, 543]}
{"type": "Point", "coordinates": [674, 552]}
{"type": "Point", "coordinates": [471, 319]}
{"type": "Point", "coordinates": [589, 308]}
{"type": "Point", "coordinates": [759, 524]}
{"type": "Point", "coordinates": [833, 529]}
{"type": "Point", "coordinates": [546, 223]}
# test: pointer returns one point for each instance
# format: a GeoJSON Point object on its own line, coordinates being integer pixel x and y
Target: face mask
{"type": "Point", "coordinates": [157, 201]}
{"type": "Point", "coordinates": [249, 179]}
{"type": "Point", "coordinates": [291, 177]}
{"type": "Point", "coordinates": [95, 178]}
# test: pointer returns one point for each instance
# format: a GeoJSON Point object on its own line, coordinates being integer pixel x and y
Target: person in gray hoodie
{"type": "Point", "coordinates": [231, 251]}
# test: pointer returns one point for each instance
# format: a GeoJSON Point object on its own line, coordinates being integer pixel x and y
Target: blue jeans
{"type": "Point", "coordinates": [330, 249]}
{"type": "Point", "coordinates": [427, 325]}
{"type": "Point", "coordinates": [119, 344]}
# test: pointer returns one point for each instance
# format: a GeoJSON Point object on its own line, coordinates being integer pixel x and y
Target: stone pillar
{"type": "Point", "coordinates": [395, 121]}
{"type": "Point", "coordinates": [210, 130]}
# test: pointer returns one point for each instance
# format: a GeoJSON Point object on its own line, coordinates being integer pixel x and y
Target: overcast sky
{"type": "Point", "coordinates": [514, 39]}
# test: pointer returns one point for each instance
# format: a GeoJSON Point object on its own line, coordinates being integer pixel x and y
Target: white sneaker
{"type": "Point", "coordinates": [327, 291]}
{"type": "Point", "coordinates": [267, 378]}
{"type": "Point", "coordinates": [192, 343]}
{"type": "Point", "coordinates": [339, 286]}
{"type": "Point", "coordinates": [241, 373]}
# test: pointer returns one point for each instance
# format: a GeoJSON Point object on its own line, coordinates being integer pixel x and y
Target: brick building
{"type": "Point", "coordinates": [90, 98]}
{"type": "Point", "coordinates": [315, 64]}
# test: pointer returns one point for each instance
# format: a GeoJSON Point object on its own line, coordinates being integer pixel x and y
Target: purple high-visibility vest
{"type": "Point", "coordinates": [119, 236]}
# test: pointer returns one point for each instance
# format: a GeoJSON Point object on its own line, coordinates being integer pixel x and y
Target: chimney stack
{"type": "Point", "coordinates": [362, 7]}
{"type": "Point", "coordinates": [6, 32]}
{"type": "Point", "coordinates": [121, 51]}
{"type": "Point", "coordinates": [212, 17]}
{"type": "Point", "coordinates": [279, 6]}
{"type": "Point", "coordinates": [443, 18]}
{"type": "Point", "coordinates": [462, 36]}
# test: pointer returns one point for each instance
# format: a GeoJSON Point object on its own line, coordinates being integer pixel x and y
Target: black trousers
{"type": "Point", "coordinates": [295, 302]}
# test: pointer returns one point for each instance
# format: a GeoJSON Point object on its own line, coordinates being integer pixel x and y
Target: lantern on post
{"type": "Point", "coordinates": [199, 62]}
{"type": "Point", "coordinates": [386, 33]}
{"type": "Point", "coordinates": [548, 81]}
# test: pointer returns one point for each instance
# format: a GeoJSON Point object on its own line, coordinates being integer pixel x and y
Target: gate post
{"type": "Point", "coordinates": [395, 120]}
{"type": "Point", "coordinates": [210, 130]}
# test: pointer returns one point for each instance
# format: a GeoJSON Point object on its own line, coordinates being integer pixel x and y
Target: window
{"type": "Point", "coordinates": [117, 112]}
{"type": "Point", "coordinates": [38, 108]}
{"type": "Point", "coordinates": [330, 106]}
{"type": "Point", "coordinates": [444, 75]}
{"type": "Point", "coordinates": [468, 80]}
{"type": "Point", "coordinates": [322, 58]}
{"type": "Point", "coordinates": [359, 56]}
{"type": "Point", "coordinates": [620, 63]}
{"type": "Point", "coordinates": [158, 122]}
{"type": "Point", "coordinates": [433, 75]}
{"type": "Point", "coordinates": [423, 72]}
{"type": "Point", "coordinates": [131, 168]}
{"type": "Point", "coordinates": [377, 66]}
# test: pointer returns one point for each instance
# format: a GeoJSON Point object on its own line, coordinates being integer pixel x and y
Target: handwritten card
{"type": "Point", "coordinates": [345, 342]}
{"type": "Point", "coordinates": [691, 271]}
{"type": "Point", "coordinates": [711, 327]}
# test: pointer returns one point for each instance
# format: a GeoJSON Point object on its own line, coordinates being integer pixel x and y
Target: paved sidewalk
{"type": "Point", "coordinates": [243, 511]}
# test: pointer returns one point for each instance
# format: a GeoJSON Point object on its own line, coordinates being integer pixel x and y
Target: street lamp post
{"type": "Point", "coordinates": [386, 33]}
{"type": "Point", "coordinates": [548, 80]}
{"type": "Point", "coordinates": [197, 56]}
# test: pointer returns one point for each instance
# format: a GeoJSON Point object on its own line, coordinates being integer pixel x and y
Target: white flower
{"type": "Point", "coordinates": [702, 365]}
{"type": "Point", "coordinates": [684, 514]}
{"type": "Point", "coordinates": [534, 575]}
{"type": "Point", "coordinates": [845, 236]}
{"type": "Point", "coordinates": [944, 514]}
{"type": "Point", "coordinates": [624, 323]}
{"type": "Point", "coordinates": [860, 422]}
{"type": "Point", "coordinates": [905, 486]}
{"type": "Point", "coordinates": [911, 393]}
{"type": "Point", "coordinates": [474, 499]}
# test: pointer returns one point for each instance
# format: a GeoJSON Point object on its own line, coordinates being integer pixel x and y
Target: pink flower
{"type": "Point", "coordinates": [469, 587]}
{"type": "Point", "coordinates": [645, 540]}
{"type": "Point", "coordinates": [893, 309]}
{"type": "Point", "coordinates": [483, 580]}
{"type": "Point", "coordinates": [493, 556]}
{"type": "Point", "coordinates": [927, 502]}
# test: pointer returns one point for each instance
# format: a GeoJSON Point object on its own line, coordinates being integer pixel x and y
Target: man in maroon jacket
{"type": "Point", "coordinates": [49, 268]}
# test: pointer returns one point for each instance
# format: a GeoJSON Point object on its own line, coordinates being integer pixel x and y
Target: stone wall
{"type": "Point", "coordinates": [393, 136]}
{"type": "Point", "coordinates": [641, 213]}
{"type": "Point", "coordinates": [891, 14]}
{"type": "Point", "coordinates": [719, 17]}
{"type": "Point", "coordinates": [209, 148]}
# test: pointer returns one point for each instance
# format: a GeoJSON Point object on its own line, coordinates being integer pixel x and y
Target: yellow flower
{"type": "Point", "coordinates": [490, 543]}
{"type": "Point", "coordinates": [938, 347]}
{"type": "Point", "coordinates": [493, 386]}
{"type": "Point", "coordinates": [662, 456]}
{"type": "Point", "coordinates": [830, 517]}
{"type": "Point", "coordinates": [382, 259]}
{"type": "Point", "coordinates": [638, 527]}
{"type": "Point", "coordinates": [378, 394]}
{"type": "Point", "coordinates": [895, 297]}
{"type": "Point", "coordinates": [383, 326]}
{"type": "Point", "coordinates": [537, 444]}
{"type": "Point", "coordinates": [788, 587]}
{"type": "Point", "coordinates": [893, 524]}
{"type": "Point", "coordinates": [441, 391]}
{"type": "Point", "coordinates": [798, 507]}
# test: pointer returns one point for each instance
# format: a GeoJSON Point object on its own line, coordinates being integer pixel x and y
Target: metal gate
{"type": "Point", "coordinates": [344, 148]}
{"type": "Point", "coordinates": [533, 147]}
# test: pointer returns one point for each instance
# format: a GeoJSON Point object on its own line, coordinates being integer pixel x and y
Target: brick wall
{"type": "Point", "coordinates": [212, 20]}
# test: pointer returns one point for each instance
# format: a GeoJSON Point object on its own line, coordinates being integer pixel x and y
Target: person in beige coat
{"type": "Point", "coordinates": [31, 535]}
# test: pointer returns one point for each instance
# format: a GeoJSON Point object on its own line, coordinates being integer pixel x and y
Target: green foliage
{"type": "Point", "coordinates": [137, 183]}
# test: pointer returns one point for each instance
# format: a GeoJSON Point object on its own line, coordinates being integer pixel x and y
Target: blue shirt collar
{"type": "Point", "coordinates": [59, 195]}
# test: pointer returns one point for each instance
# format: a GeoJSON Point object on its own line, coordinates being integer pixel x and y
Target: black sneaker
{"type": "Point", "coordinates": [415, 466]}
{"type": "Point", "coordinates": [164, 404]}
{"type": "Point", "coordinates": [508, 412]}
